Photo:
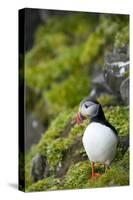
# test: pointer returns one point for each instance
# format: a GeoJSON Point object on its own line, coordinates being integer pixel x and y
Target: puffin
{"type": "Point", "coordinates": [100, 138]}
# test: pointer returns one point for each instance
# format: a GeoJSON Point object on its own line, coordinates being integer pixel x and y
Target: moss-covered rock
{"type": "Point", "coordinates": [119, 117]}
{"type": "Point", "coordinates": [122, 37]}
{"type": "Point", "coordinates": [62, 146]}
{"type": "Point", "coordinates": [46, 184]}
{"type": "Point", "coordinates": [107, 99]}
{"type": "Point", "coordinates": [28, 159]}
{"type": "Point", "coordinates": [78, 177]}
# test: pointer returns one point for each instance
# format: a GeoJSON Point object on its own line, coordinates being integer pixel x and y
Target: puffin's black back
{"type": "Point", "coordinates": [100, 118]}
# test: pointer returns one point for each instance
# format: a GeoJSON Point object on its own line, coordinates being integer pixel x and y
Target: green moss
{"type": "Point", "coordinates": [55, 151]}
{"type": "Point", "coordinates": [52, 38]}
{"type": "Point", "coordinates": [75, 25]}
{"type": "Point", "coordinates": [28, 157]}
{"type": "Point", "coordinates": [122, 37]}
{"type": "Point", "coordinates": [117, 175]}
{"type": "Point", "coordinates": [53, 145]}
{"type": "Point", "coordinates": [104, 34]}
{"type": "Point", "coordinates": [50, 144]}
{"type": "Point", "coordinates": [91, 49]}
{"type": "Point", "coordinates": [70, 93]}
{"type": "Point", "coordinates": [56, 69]}
{"type": "Point", "coordinates": [44, 47]}
{"type": "Point", "coordinates": [63, 56]}
{"type": "Point", "coordinates": [44, 185]}
{"type": "Point", "coordinates": [106, 99]}
{"type": "Point", "coordinates": [55, 130]}
{"type": "Point", "coordinates": [77, 176]}
{"type": "Point", "coordinates": [118, 116]}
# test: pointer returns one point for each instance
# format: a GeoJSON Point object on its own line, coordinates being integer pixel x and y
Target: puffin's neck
{"type": "Point", "coordinates": [100, 117]}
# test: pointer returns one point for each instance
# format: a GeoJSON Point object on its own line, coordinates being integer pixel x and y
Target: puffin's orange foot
{"type": "Point", "coordinates": [95, 175]}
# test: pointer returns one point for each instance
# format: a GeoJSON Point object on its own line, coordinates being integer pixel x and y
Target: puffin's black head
{"type": "Point", "coordinates": [90, 108]}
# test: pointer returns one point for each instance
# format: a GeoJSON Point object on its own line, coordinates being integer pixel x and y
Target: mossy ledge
{"type": "Point", "coordinates": [68, 164]}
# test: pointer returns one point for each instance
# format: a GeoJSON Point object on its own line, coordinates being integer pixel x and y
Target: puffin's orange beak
{"type": "Point", "coordinates": [78, 118]}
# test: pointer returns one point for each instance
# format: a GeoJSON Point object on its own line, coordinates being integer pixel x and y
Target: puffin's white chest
{"type": "Point", "coordinates": [100, 143]}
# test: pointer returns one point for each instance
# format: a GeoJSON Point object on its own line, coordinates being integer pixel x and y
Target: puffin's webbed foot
{"type": "Point", "coordinates": [95, 175]}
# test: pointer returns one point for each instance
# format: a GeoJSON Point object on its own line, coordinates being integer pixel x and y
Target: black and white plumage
{"type": "Point", "coordinates": [100, 137]}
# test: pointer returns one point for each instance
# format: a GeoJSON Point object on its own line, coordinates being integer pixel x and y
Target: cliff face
{"type": "Point", "coordinates": [67, 54]}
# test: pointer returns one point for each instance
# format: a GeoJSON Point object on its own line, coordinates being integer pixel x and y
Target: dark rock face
{"type": "Point", "coordinates": [113, 78]}
{"type": "Point", "coordinates": [116, 66]}
{"type": "Point", "coordinates": [118, 55]}
{"type": "Point", "coordinates": [39, 168]}
{"type": "Point", "coordinates": [124, 143]}
{"type": "Point", "coordinates": [124, 90]}
{"type": "Point", "coordinates": [100, 86]}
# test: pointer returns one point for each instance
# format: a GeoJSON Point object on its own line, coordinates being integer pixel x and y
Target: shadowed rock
{"type": "Point", "coordinates": [39, 168]}
{"type": "Point", "coordinates": [124, 90]}
{"type": "Point", "coordinates": [123, 143]}
{"type": "Point", "coordinates": [99, 86]}
{"type": "Point", "coordinates": [116, 66]}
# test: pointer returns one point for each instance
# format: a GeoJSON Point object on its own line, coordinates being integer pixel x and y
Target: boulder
{"type": "Point", "coordinates": [99, 86]}
{"type": "Point", "coordinates": [124, 90]}
{"type": "Point", "coordinates": [39, 168]}
{"type": "Point", "coordinates": [116, 68]}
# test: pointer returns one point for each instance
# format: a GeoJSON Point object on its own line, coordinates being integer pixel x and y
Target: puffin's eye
{"type": "Point", "coordinates": [86, 106]}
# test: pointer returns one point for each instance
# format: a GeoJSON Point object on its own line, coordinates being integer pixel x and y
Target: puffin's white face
{"type": "Point", "coordinates": [89, 108]}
